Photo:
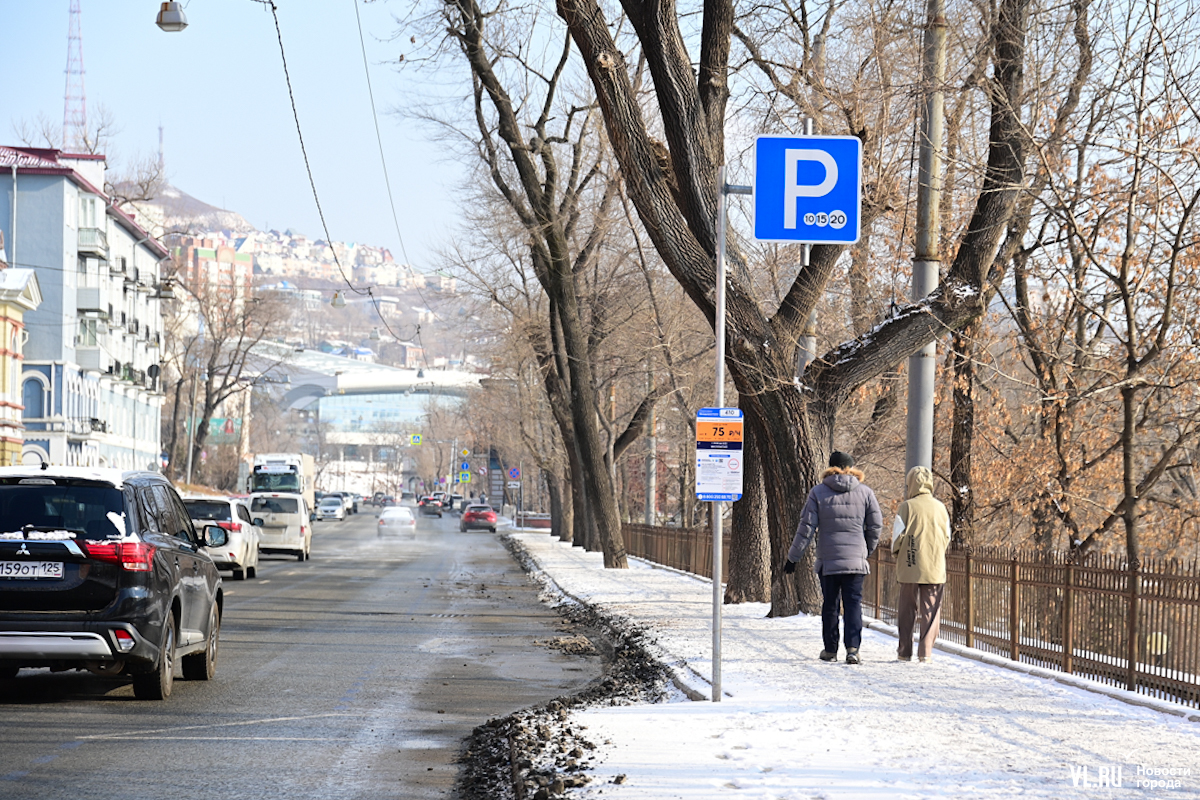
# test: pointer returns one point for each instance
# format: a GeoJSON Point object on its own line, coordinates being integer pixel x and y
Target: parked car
{"type": "Point", "coordinates": [103, 570]}
{"type": "Point", "coordinates": [347, 499]}
{"type": "Point", "coordinates": [397, 520]}
{"type": "Point", "coordinates": [331, 507]}
{"type": "Point", "coordinates": [284, 522]}
{"type": "Point", "coordinates": [430, 506]}
{"type": "Point", "coordinates": [408, 495]}
{"type": "Point", "coordinates": [240, 552]}
{"type": "Point", "coordinates": [456, 501]}
{"type": "Point", "coordinates": [477, 517]}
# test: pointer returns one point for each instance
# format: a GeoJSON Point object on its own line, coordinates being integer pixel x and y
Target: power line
{"type": "Point", "coordinates": [313, 184]}
{"type": "Point", "coordinates": [383, 160]}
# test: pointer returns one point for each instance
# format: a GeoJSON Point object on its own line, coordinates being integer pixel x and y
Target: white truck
{"type": "Point", "coordinates": [290, 473]}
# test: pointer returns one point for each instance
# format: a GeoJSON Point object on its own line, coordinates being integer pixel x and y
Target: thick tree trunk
{"type": "Point", "coordinates": [560, 513]}
{"type": "Point", "coordinates": [749, 579]}
{"type": "Point", "coordinates": [962, 435]}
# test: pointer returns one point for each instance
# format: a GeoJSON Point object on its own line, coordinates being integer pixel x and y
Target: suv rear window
{"type": "Point", "coordinates": [214, 510]}
{"type": "Point", "coordinates": [275, 505]}
{"type": "Point", "coordinates": [91, 511]}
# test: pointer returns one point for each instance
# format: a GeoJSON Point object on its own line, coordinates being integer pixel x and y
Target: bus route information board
{"type": "Point", "coordinates": [719, 454]}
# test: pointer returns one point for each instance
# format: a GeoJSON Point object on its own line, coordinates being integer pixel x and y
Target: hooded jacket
{"type": "Point", "coordinates": [921, 532]}
{"type": "Point", "coordinates": [843, 514]}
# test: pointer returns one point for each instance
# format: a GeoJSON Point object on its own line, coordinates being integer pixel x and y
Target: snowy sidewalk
{"type": "Point", "coordinates": [791, 726]}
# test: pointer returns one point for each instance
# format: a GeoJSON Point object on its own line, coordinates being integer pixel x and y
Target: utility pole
{"type": "Point", "coordinates": [808, 341]}
{"type": "Point", "coordinates": [919, 449]}
{"type": "Point", "coordinates": [651, 459]}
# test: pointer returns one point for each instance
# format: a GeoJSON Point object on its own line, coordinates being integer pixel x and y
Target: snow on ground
{"type": "Point", "coordinates": [791, 726]}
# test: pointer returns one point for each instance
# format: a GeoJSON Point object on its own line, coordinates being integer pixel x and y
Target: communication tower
{"type": "Point", "coordinates": [74, 131]}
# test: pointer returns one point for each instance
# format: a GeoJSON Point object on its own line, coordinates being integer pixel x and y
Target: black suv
{"type": "Point", "coordinates": [103, 570]}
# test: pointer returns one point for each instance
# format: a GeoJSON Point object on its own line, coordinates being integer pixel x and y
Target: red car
{"type": "Point", "coordinates": [478, 516]}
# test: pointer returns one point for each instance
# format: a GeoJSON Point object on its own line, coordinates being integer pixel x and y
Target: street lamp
{"type": "Point", "coordinates": [338, 300]}
{"type": "Point", "coordinates": [171, 17]}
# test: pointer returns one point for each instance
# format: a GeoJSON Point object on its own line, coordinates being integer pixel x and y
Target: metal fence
{"type": "Point", "coordinates": [1138, 629]}
{"type": "Point", "coordinates": [1133, 628]}
{"type": "Point", "coordinates": [688, 549]}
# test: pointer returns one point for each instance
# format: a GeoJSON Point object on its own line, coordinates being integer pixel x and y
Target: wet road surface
{"type": "Point", "coordinates": [353, 675]}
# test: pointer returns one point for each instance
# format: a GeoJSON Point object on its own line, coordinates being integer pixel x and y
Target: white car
{"type": "Point", "coordinates": [240, 551]}
{"type": "Point", "coordinates": [285, 525]}
{"type": "Point", "coordinates": [398, 520]}
{"type": "Point", "coordinates": [331, 507]}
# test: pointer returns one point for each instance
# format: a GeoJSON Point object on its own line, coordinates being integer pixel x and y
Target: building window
{"type": "Point", "coordinates": [87, 333]}
{"type": "Point", "coordinates": [33, 396]}
{"type": "Point", "coordinates": [87, 212]}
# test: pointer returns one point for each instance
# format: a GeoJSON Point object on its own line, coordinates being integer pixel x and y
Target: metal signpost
{"type": "Point", "coordinates": [807, 190]}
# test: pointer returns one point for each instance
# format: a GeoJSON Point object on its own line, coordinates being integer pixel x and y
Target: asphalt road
{"type": "Point", "coordinates": [356, 674]}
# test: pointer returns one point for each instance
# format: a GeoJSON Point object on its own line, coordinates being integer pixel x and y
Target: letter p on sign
{"type": "Point", "coordinates": [793, 190]}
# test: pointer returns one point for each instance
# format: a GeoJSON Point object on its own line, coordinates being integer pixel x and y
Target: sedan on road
{"type": "Point", "coordinates": [430, 506]}
{"type": "Point", "coordinates": [397, 520]}
{"type": "Point", "coordinates": [331, 507]}
{"type": "Point", "coordinates": [240, 552]}
{"type": "Point", "coordinates": [478, 517]}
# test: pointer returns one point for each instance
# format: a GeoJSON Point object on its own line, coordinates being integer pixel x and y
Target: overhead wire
{"type": "Point", "coordinates": [383, 161]}
{"type": "Point", "coordinates": [368, 291]}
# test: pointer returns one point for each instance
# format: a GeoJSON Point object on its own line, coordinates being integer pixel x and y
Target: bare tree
{"type": "Point", "coordinates": [674, 190]}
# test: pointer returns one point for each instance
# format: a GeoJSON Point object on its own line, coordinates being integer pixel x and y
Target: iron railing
{"type": "Point", "coordinates": [1136, 627]}
{"type": "Point", "coordinates": [1127, 625]}
{"type": "Point", "coordinates": [687, 549]}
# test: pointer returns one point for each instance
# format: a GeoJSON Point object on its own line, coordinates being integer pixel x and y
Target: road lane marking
{"type": "Point", "coordinates": [156, 738]}
{"type": "Point", "coordinates": [133, 734]}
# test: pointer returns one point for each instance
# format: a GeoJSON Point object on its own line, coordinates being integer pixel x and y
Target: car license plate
{"type": "Point", "coordinates": [31, 570]}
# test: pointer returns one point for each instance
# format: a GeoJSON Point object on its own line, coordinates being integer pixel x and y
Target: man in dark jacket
{"type": "Point", "coordinates": [844, 516]}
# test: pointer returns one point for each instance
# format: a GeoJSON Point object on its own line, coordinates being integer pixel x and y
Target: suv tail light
{"type": "Point", "coordinates": [236, 527]}
{"type": "Point", "coordinates": [125, 641]}
{"type": "Point", "coordinates": [132, 556]}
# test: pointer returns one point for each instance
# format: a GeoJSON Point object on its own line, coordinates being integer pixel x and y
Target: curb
{"type": "Point", "coordinates": [689, 682]}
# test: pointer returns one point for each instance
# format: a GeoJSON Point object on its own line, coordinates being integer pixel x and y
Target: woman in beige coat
{"type": "Point", "coordinates": [921, 535]}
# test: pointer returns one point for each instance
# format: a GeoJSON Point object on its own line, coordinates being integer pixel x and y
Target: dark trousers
{"type": "Point", "coordinates": [844, 590]}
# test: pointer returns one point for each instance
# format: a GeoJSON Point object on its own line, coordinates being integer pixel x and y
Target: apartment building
{"type": "Point", "coordinates": [90, 376]}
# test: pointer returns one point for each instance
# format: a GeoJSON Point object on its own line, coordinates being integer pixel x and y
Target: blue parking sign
{"type": "Point", "coordinates": [807, 189]}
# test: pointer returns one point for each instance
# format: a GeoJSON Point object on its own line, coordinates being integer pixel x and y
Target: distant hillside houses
{"type": "Point", "coordinates": [176, 216]}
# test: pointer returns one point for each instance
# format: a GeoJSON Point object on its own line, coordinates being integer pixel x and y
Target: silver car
{"type": "Point", "coordinates": [240, 551]}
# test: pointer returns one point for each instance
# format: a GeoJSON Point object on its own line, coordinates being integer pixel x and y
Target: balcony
{"type": "Point", "coordinates": [93, 242]}
{"type": "Point", "coordinates": [87, 303]}
{"type": "Point", "coordinates": [92, 358]}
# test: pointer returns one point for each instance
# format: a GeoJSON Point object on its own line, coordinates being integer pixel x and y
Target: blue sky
{"type": "Point", "coordinates": [218, 90]}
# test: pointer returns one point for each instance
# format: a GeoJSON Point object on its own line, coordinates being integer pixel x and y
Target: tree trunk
{"type": "Point", "coordinates": [749, 578]}
{"type": "Point", "coordinates": [560, 513]}
{"type": "Point", "coordinates": [1133, 547]}
{"type": "Point", "coordinates": [962, 435]}
{"type": "Point", "coordinates": [173, 439]}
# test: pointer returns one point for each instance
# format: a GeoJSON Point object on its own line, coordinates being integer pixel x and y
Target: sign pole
{"type": "Point", "coordinates": [719, 328]}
